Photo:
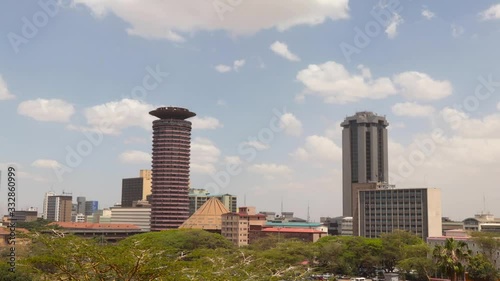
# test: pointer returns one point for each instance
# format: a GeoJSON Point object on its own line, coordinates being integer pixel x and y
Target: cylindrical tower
{"type": "Point", "coordinates": [170, 179]}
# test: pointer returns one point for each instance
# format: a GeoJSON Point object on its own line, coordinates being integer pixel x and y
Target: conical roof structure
{"type": "Point", "coordinates": [208, 216]}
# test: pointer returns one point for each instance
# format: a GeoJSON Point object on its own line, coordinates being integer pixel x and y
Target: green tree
{"type": "Point", "coordinates": [395, 246]}
{"type": "Point", "coordinates": [488, 242]}
{"type": "Point", "coordinates": [451, 258]}
{"type": "Point", "coordinates": [481, 269]}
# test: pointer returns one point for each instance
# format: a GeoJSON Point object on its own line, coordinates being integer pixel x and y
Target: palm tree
{"type": "Point", "coordinates": [451, 258]}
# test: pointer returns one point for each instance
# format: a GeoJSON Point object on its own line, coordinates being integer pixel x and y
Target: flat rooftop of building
{"type": "Point", "coordinates": [291, 230]}
{"type": "Point", "coordinates": [293, 224]}
{"type": "Point", "coordinates": [87, 225]}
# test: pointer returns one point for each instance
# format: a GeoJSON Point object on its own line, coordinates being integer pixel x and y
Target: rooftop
{"type": "Point", "coordinates": [86, 225]}
{"type": "Point", "coordinates": [293, 224]}
{"type": "Point", "coordinates": [172, 113]}
{"type": "Point", "coordinates": [291, 230]}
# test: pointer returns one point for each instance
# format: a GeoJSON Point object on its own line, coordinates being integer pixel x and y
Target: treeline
{"type": "Point", "coordinates": [198, 255]}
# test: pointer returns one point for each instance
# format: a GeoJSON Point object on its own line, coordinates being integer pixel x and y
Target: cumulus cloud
{"type": "Point", "coordinates": [45, 163]}
{"type": "Point", "coordinates": [47, 110]}
{"type": "Point", "coordinates": [492, 13]}
{"type": "Point", "coordinates": [426, 13]}
{"type": "Point", "coordinates": [335, 84]}
{"type": "Point", "coordinates": [237, 64]}
{"type": "Point", "coordinates": [257, 145]}
{"type": "Point", "coordinates": [270, 170]}
{"type": "Point", "coordinates": [204, 156]}
{"type": "Point", "coordinates": [290, 124]}
{"type": "Point", "coordinates": [281, 49]}
{"type": "Point", "coordinates": [463, 125]}
{"type": "Point", "coordinates": [135, 157]}
{"type": "Point", "coordinates": [420, 86]}
{"type": "Point", "coordinates": [318, 148]}
{"type": "Point", "coordinates": [207, 123]}
{"type": "Point", "coordinates": [172, 19]}
{"type": "Point", "coordinates": [5, 94]}
{"type": "Point", "coordinates": [113, 117]}
{"type": "Point", "coordinates": [235, 160]}
{"type": "Point", "coordinates": [412, 109]}
{"type": "Point", "coordinates": [392, 27]}
{"type": "Point", "coordinates": [457, 30]}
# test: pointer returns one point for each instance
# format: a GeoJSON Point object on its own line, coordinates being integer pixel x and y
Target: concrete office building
{"type": "Point", "coordinates": [238, 227]}
{"type": "Point", "coordinates": [416, 210]}
{"type": "Point", "coordinates": [139, 216]}
{"type": "Point", "coordinates": [338, 225]}
{"type": "Point", "coordinates": [80, 204]}
{"type": "Point", "coordinates": [364, 153]}
{"type": "Point", "coordinates": [59, 208]}
{"type": "Point", "coordinates": [198, 197]}
{"type": "Point", "coordinates": [136, 189]}
{"type": "Point", "coordinates": [46, 203]}
{"type": "Point", "coordinates": [482, 222]}
{"type": "Point", "coordinates": [171, 158]}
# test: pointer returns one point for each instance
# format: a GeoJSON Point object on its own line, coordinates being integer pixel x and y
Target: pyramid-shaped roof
{"type": "Point", "coordinates": [208, 216]}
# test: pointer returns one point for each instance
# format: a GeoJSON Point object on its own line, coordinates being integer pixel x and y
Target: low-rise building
{"type": "Point", "coordinates": [239, 227]}
{"type": "Point", "coordinates": [482, 222]}
{"type": "Point", "coordinates": [303, 234]}
{"type": "Point", "coordinates": [208, 217]}
{"type": "Point", "coordinates": [107, 231]}
{"type": "Point", "coordinates": [338, 225]}
{"type": "Point", "coordinates": [198, 197]}
{"type": "Point", "coordinates": [139, 216]}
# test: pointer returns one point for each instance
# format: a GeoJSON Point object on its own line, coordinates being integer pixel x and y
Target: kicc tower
{"type": "Point", "coordinates": [170, 169]}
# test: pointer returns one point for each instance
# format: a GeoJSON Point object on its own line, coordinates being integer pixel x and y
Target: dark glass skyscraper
{"type": "Point", "coordinates": [171, 156]}
{"type": "Point", "coordinates": [364, 153]}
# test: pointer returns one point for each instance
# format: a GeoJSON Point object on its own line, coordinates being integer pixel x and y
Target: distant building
{"type": "Point", "coordinates": [364, 153]}
{"type": "Point", "coordinates": [46, 203]}
{"type": "Point", "coordinates": [139, 216]}
{"type": "Point", "coordinates": [198, 197]}
{"type": "Point", "coordinates": [416, 210]}
{"type": "Point", "coordinates": [100, 216]}
{"type": "Point", "coordinates": [59, 208]}
{"type": "Point", "coordinates": [105, 231]}
{"type": "Point", "coordinates": [448, 224]}
{"type": "Point", "coordinates": [303, 234]}
{"type": "Point", "coordinates": [24, 216]}
{"type": "Point", "coordinates": [238, 227]}
{"type": "Point", "coordinates": [79, 218]}
{"type": "Point", "coordinates": [91, 207]}
{"type": "Point", "coordinates": [136, 189]}
{"type": "Point", "coordinates": [482, 222]}
{"type": "Point", "coordinates": [338, 225]}
{"type": "Point", "coordinates": [208, 217]}
{"type": "Point", "coordinates": [80, 205]}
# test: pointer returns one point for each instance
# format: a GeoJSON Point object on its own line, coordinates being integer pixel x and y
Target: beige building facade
{"type": "Point", "coordinates": [136, 189]}
{"type": "Point", "coordinates": [236, 227]}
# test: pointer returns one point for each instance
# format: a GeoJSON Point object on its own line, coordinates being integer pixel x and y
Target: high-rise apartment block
{"type": "Point", "coordinates": [198, 197]}
{"type": "Point", "coordinates": [364, 153]}
{"type": "Point", "coordinates": [59, 208]}
{"type": "Point", "coordinates": [136, 189]}
{"type": "Point", "coordinates": [416, 210]}
{"type": "Point", "coordinates": [171, 158]}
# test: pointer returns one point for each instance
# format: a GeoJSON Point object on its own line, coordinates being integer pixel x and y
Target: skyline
{"type": "Point", "coordinates": [429, 69]}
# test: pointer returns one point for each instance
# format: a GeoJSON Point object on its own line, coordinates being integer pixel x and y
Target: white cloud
{"type": "Point", "coordinates": [335, 84]}
{"type": "Point", "coordinates": [257, 145]}
{"type": "Point", "coordinates": [290, 124]}
{"type": "Point", "coordinates": [234, 160]}
{"type": "Point", "coordinates": [412, 109]}
{"type": "Point", "coordinates": [171, 19]}
{"type": "Point", "coordinates": [221, 102]}
{"type": "Point", "coordinates": [270, 170]}
{"type": "Point", "coordinates": [53, 110]}
{"type": "Point", "coordinates": [457, 30]}
{"type": "Point", "coordinates": [135, 157]}
{"type": "Point", "coordinates": [318, 148]}
{"type": "Point", "coordinates": [498, 106]}
{"type": "Point", "coordinates": [113, 117]}
{"type": "Point", "coordinates": [420, 86]}
{"type": "Point", "coordinates": [133, 140]}
{"type": "Point", "coordinates": [281, 49]}
{"type": "Point", "coordinates": [426, 13]}
{"type": "Point", "coordinates": [464, 126]}
{"type": "Point", "coordinates": [204, 156]}
{"type": "Point", "coordinates": [208, 123]}
{"type": "Point", "coordinates": [238, 63]}
{"type": "Point", "coordinates": [392, 27]}
{"type": "Point", "coordinates": [45, 163]}
{"type": "Point", "coordinates": [492, 13]}
{"type": "Point", "coordinates": [5, 94]}
{"type": "Point", "coordinates": [222, 68]}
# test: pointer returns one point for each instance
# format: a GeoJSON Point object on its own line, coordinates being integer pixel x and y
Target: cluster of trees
{"type": "Point", "coordinates": [199, 255]}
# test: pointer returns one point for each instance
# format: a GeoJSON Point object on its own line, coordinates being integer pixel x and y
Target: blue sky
{"type": "Point", "coordinates": [269, 82]}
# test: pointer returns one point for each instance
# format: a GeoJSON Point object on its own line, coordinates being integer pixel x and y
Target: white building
{"type": "Point", "coordinates": [140, 216]}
